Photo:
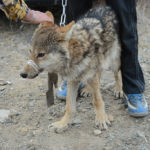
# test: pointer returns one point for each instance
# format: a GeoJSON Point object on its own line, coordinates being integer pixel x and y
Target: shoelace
{"type": "Point", "coordinates": [137, 98]}
{"type": "Point", "coordinates": [63, 85]}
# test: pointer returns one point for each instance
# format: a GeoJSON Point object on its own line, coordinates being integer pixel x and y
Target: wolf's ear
{"type": "Point", "coordinates": [66, 28]}
{"type": "Point", "coordinates": [48, 13]}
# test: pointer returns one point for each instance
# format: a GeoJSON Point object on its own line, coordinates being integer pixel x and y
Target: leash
{"type": "Point", "coordinates": [63, 15]}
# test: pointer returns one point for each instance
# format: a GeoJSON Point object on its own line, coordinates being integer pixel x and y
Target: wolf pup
{"type": "Point", "coordinates": [78, 52]}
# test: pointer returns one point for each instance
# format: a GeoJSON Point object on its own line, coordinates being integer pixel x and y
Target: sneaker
{"type": "Point", "coordinates": [137, 105]}
{"type": "Point", "coordinates": [62, 90]}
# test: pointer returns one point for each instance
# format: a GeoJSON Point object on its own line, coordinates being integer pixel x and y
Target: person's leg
{"type": "Point", "coordinates": [132, 76]}
{"type": "Point", "coordinates": [76, 8]}
{"type": "Point", "coordinates": [133, 81]}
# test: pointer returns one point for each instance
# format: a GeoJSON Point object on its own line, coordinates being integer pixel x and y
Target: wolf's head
{"type": "Point", "coordinates": [48, 49]}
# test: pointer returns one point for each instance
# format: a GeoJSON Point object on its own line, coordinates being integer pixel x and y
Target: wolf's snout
{"type": "Point", "coordinates": [23, 75]}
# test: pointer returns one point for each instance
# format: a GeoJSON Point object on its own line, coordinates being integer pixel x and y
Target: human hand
{"type": "Point", "coordinates": [36, 17]}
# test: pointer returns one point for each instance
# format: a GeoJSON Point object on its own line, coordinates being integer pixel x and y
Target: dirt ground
{"type": "Point", "coordinates": [26, 128]}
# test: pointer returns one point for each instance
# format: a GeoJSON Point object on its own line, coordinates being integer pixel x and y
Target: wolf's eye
{"type": "Point", "coordinates": [41, 55]}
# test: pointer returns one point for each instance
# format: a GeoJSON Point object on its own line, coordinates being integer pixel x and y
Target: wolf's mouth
{"type": "Point", "coordinates": [26, 75]}
{"type": "Point", "coordinates": [33, 76]}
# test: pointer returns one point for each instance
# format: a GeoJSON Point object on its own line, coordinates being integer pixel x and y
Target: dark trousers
{"type": "Point", "coordinates": [132, 76]}
{"type": "Point", "coordinates": [75, 8]}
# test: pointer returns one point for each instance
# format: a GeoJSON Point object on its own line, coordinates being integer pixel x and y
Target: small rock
{"type": "Point", "coordinates": [141, 134]}
{"type": "Point", "coordinates": [50, 118]}
{"type": "Point", "coordinates": [31, 104]}
{"type": "Point", "coordinates": [37, 132]}
{"type": "Point", "coordinates": [9, 83]}
{"type": "Point", "coordinates": [2, 88]}
{"type": "Point", "coordinates": [28, 147]}
{"type": "Point", "coordinates": [107, 148]}
{"type": "Point", "coordinates": [23, 130]}
{"type": "Point", "coordinates": [2, 82]}
{"type": "Point", "coordinates": [8, 121]}
{"type": "Point", "coordinates": [97, 132]}
{"type": "Point", "coordinates": [76, 121]}
{"type": "Point", "coordinates": [143, 147]}
{"type": "Point", "coordinates": [83, 110]}
{"type": "Point", "coordinates": [4, 114]}
{"type": "Point", "coordinates": [148, 120]}
{"type": "Point", "coordinates": [107, 106]}
{"type": "Point", "coordinates": [88, 107]}
{"type": "Point", "coordinates": [14, 113]}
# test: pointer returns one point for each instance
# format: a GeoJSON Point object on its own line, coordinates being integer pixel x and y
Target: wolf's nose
{"type": "Point", "coordinates": [24, 75]}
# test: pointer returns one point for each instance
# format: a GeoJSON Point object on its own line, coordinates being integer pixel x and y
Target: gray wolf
{"type": "Point", "coordinates": [78, 52]}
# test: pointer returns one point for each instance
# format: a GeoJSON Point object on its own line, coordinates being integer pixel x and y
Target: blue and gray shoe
{"type": "Point", "coordinates": [62, 90]}
{"type": "Point", "coordinates": [137, 105]}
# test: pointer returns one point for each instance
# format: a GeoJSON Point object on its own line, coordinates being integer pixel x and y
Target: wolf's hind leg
{"type": "Point", "coordinates": [85, 91]}
{"type": "Point", "coordinates": [118, 87]}
{"type": "Point", "coordinates": [62, 125]}
{"type": "Point", "coordinates": [101, 120]}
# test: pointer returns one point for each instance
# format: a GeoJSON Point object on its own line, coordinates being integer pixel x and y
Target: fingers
{"type": "Point", "coordinates": [36, 17]}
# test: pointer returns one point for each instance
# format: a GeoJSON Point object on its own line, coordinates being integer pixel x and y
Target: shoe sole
{"type": "Point", "coordinates": [138, 115]}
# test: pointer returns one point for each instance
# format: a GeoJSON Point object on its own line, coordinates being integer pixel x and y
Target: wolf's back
{"type": "Point", "coordinates": [103, 15]}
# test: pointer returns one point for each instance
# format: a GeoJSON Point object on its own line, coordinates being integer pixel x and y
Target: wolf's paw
{"type": "Point", "coordinates": [103, 121]}
{"type": "Point", "coordinates": [58, 127]}
{"type": "Point", "coordinates": [118, 93]}
{"type": "Point", "coordinates": [85, 91]}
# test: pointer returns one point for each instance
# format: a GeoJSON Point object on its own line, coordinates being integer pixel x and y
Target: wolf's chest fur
{"type": "Point", "coordinates": [93, 44]}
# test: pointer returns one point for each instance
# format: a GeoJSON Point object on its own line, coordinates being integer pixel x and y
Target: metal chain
{"type": "Point", "coordinates": [63, 15]}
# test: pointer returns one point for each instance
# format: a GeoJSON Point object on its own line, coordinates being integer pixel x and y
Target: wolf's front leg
{"type": "Point", "coordinates": [62, 125]}
{"type": "Point", "coordinates": [101, 120]}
